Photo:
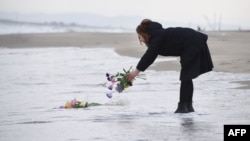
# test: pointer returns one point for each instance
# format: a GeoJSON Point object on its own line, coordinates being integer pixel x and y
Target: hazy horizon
{"type": "Point", "coordinates": [209, 14]}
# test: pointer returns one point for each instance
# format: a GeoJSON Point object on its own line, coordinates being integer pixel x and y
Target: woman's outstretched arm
{"type": "Point", "coordinates": [132, 74]}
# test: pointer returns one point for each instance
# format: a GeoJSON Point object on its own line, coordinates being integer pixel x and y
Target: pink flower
{"type": "Point", "coordinates": [73, 102]}
{"type": "Point", "coordinates": [112, 79]}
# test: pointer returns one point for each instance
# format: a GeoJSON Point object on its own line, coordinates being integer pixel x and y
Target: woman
{"type": "Point", "coordinates": [187, 43]}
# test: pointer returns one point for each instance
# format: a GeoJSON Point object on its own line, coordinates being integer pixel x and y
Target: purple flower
{"type": "Point", "coordinates": [111, 78]}
{"type": "Point", "coordinates": [118, 82]}
{"type": "Point", "coordinates": [107, 74]}
{"type": "Point", "coordinates": [61, 107]}
{"type": "Point", "coordinates": [108, 78]}
{"type": "Point", "coordinates": [130, 83]}
{"type": "Point", "coordinates": [110, 87]}
{"type": "Point", "coordinates": [109, 95]}
{"type": "Point", "coordinates": [118, 88]}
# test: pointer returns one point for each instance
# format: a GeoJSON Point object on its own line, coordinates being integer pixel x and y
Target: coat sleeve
{"type": "Point", "coordinates": [151, 54]}
{"type": "Point", "coordinates": [147, 59]}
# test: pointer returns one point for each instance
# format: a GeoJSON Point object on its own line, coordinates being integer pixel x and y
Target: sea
{"type": "Point", "coordinates": [35, 82]}
{"type": "Point", "coordinates": [23, 27]}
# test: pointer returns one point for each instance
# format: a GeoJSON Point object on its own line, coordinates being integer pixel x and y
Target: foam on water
{"type": "Point", "coordinates": [34, 81]}
{"type": "Point", "coordinates": [16, 28]}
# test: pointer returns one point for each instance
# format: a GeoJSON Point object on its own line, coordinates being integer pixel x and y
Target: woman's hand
{"type": "Point", "coordinates": [130, 76]}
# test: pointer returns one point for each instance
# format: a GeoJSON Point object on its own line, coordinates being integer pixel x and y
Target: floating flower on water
{"type": "Point", "coordinates": [67, 105]}
{"type": "Point", "coordinates": [78, 104]}
{"type": "Point", "coordinates": [120, 80]}
{"type": "Point", "coordinates": [61, 107]}
{"type": "Point", "coordinates": [73, 102]}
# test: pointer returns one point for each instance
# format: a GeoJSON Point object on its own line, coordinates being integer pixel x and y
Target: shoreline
{"type": "Point", "coordinates": [229, 49]}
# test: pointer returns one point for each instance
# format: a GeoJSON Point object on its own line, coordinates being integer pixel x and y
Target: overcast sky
{"type": "Point", "coordinates": [228, 11]}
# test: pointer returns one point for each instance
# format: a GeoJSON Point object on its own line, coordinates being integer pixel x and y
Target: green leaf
{"type": "Point", "coordinates": [130, 68]}
{"type": "Point", "coordinates": [94, 104]}
{"type": "Point", "coordinates": [124, 70]}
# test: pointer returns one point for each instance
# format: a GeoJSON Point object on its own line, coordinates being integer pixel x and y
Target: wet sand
{"type": "Point", "coordinates": [39, 79]}
{"type": "Point", "coordinates": [230, 50]}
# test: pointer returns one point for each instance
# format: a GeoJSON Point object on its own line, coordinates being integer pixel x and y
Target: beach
{"type": "Point", "coordinates": [39, 73]}
{"type": "Point", "coordinates": [229, 49]}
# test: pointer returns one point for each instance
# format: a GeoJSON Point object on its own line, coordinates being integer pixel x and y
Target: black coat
{"type": "Point", "coordinates": [187, 43]}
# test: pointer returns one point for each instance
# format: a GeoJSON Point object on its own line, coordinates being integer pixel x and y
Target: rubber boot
{"type": "Point", "coordinates": [190, 107]}
{"type": "Point", "coordinates": [182, 108]}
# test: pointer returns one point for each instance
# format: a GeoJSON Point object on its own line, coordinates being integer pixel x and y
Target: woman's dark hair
{"type": "Point", "coordinates": [142, 29]}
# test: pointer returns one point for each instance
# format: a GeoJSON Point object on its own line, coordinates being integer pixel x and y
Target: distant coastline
{"type": "Point", "coordinates": [13, 27]}
{"type": "Point", "coordinates": [88, 22]}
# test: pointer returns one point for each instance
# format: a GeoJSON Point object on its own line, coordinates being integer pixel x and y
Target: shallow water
{"type": "Point", "coordinates": [34, 82]}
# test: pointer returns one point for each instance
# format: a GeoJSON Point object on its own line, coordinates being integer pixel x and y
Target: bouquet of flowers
{"type": "Point", "coordinates": [118, 81]}
{"type": "Point", "coordinates": [78, 104]}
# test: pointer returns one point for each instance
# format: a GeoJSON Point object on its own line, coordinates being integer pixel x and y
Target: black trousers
{"type": "Point", "coordinates": [186, 91]}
